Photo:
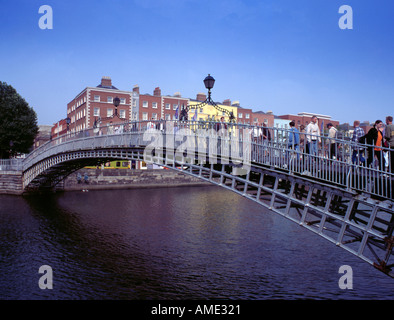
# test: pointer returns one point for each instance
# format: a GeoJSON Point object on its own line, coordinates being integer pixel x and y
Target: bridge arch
{"type": "Point", "coordinates": [357, 222]}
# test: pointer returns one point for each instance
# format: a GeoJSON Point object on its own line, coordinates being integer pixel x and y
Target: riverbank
{"type": "Point", "coordinates": [112, 179]}
{"type": "Point", "coordinates": [107, 179]}
{"type": "Point", "coordinates": [11, 182]}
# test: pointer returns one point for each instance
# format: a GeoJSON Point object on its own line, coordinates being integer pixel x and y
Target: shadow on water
{"type": "Point", "coordinates": [171, 243]}
{"type": "Point", "coordinates": [100, 265]}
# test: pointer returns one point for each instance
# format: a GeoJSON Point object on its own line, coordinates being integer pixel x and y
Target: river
{"type": "Point", "coordinates": [169, 243]}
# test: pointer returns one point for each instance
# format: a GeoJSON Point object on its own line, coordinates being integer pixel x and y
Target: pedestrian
{"type": "Point", "coordinates": [357, 155]}
{"type": "Point", "coordinates": [389, 138]}
{"type": "Point", "coordinates": [294, 139]}
{"type": "Point", "coordinates": [313, 137]}
{"type": "Point", "coordinates": [221, 127]}
{"type": "Point", "coordinates": [86, 178]}
{"type": "Point", "coordinates": [257, 133]}
{"type": "Point", "coordinates": [332, 136]}
{"type": "Point", "coordinates": [374, 139]}
{"type": "Point", "coordinates": [110, 128]}
{"type": "Point", "coordinates": [266, 138]}
{"type": "Point", "coordinates": [151, 125]}
{"type": "Point", "coordinates": [79, 178]}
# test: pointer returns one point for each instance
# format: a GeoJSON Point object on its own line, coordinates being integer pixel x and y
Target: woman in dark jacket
{"type": "Point", "coordinates": [374, 139]}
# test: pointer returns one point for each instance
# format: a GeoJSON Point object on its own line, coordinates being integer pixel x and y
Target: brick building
{"type": "Point", "coordinates": [59, 128]}
{"type": "Point", "coordinates": [157, 106]}
{"type": "Point", "coordinates": [303, 118]}
{"type": "Point", "coordinates": [261, 118]}
{"type": "Point", "coordinates": [96, 104]}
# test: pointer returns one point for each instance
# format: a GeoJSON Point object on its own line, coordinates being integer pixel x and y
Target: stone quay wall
{"type": "Point", "coordinates": [127, 179]}
{"type": "Point", "coordinates": [11, 181]}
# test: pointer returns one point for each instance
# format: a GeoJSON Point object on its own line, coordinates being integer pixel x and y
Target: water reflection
{"type": "Point", "coordinates": [171, 243]}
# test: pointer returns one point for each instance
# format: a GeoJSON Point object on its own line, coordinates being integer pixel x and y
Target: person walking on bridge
{"type": "Point", "coordinates": [332, 136]}
{"type": "Point", "coordinates": [389, 136]}
{"type": "Point", "coordinates": [294, 139]}
{"type": "Point", "coordinates": [313, 138]}
{"type": "Point", "coordinates": [358, 132]}
{"type": "Point", "coordinates": [374, 140]}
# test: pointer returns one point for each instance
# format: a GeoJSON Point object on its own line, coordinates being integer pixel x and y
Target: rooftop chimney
{"type": "Point", "coordinates": [136, 89]}
{"type": "Point", "coordinates": [227, 102]}
{"type": "Point", "coordinates": [106, 82]}
{"type": "Point", "coordinates": [177, 94]}
{"type": "Point", "coordinates": [201, 96]}
{"type": "Point", "coordinates": [157, 92]}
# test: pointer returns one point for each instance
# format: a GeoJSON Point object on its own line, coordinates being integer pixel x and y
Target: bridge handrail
{"type": "Point", "coordinates": [345, 167]}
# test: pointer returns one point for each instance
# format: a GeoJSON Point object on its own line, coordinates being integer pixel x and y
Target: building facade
{"type": "Point", "coordinates": [303, 118]}
{"type": "Point", "coordinates": [208, 112]}
{"type": "Point", "coordinates": [94, 106]}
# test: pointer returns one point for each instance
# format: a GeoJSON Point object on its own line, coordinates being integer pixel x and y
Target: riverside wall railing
{"type": "Point", "coordinates": [334, 161]}
{"type": "Point", "coordinates": [11, 165]}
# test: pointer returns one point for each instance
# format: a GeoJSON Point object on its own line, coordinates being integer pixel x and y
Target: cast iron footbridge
{"type": "Point", "coordinates": [347, 203]}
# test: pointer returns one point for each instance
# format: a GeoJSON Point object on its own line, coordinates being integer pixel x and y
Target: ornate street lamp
{"type": "Point", "coordinates": [209, 82]}
{"type": "Point", "coordinates": [68, 121]}
{"type": "Point", "coordinates": [116, 103]}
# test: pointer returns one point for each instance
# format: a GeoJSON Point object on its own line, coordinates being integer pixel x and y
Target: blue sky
{"type": "Point", "coordinates": [287, 56]}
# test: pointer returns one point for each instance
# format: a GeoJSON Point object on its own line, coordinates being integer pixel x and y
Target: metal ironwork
{"type": "Point", "coordinates": [209, 82]}
{"type": "Point", "coordinates": [99, 119]}
{"type": "Point", "coordinates": [349, 204]}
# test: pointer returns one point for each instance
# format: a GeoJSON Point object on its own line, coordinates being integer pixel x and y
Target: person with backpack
{"type": "Point", "coordinates": [374, 140]}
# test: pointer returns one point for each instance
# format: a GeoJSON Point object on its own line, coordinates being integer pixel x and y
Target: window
{"type": "Point", "coordinates": [122, 114]}
{"type": "Point", "coordinates": [174, 106]}
{"type": "Point", "coordinates": [240, 115]}
{"type": "Point", "coordinates": [201, 110]}
{"type": "Point", "coordinates": [96, 98]}
{"type": "Point", "coordinates": [154, 105]}
{"type": "Point", "coordinates": [122, 100]}
{"type": "Point", "coordinates": [145, 104]}
{"type": "Point", "coordinates": [96, 112]}
{"type": "Point", "coordinates": [110, 99]}
{"type": "Point", "coordinates": [247, 116]}
{"type": "Point", "coordinates": [145, 116]}
{"type": "Point", "coordinates": [154, 116]}
{"type": "Point", "coordinates": [168, 116]}
{"type": "Point", "coordinates": [168, 106]}
{"type": "Point", "coordinates": [109, 113]}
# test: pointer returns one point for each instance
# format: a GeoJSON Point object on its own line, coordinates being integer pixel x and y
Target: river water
{"type": "Point", "coordinates": [169, 243]}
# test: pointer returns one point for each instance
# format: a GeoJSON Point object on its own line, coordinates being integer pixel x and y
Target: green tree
{"type": "Point", "coordinates": [18, 123]}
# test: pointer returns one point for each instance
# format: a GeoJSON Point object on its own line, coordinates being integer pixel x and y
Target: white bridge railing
{"type": "Point", "coordinates": [333, 161]}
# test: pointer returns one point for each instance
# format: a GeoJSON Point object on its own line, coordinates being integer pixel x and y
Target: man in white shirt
{"type": "Point", "coordinates": [332, 136]}
{"type": "Point", "coordinates": [312, 133]}
{"type": "Point", "coordinates": [313, 136]}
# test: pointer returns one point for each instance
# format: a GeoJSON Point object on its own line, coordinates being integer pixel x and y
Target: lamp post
{"type": "Point", "coordinates": [68, 121]}
{"type": "Point", "coordinates": [98, 120]}
{"type": "Point", "coordinates": [209, 82]}
{"type": "Point", "coordinates": [116, 104]}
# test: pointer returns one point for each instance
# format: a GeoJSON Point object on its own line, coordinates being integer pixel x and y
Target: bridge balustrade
{"type": "Point", "coordinates": [326, 164]}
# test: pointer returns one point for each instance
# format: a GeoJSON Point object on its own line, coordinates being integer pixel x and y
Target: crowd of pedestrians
{"type": "Point", "coordinates": [374, 149]}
